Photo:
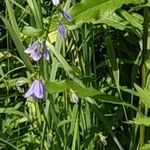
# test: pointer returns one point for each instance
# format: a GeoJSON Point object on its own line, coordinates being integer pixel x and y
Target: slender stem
{"type": "Point", "coordinates": [145, 40]}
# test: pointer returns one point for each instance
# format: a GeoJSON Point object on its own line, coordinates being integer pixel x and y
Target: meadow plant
{"type": "Point", "coordinates": [82, 83]}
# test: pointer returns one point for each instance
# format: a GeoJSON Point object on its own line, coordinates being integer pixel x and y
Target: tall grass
{"type": "Point", "coordinates": [96, 81]}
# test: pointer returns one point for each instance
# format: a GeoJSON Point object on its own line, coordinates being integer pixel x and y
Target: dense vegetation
{"type": "Point", "coordinates": [74, 75]}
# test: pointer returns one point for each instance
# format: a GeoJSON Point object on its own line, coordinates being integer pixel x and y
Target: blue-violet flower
{"type": "Point", "coordinates": [62, 30]}
{"type": "Point", "coordinates": [36, 90]}
{"type": "Point", "coordinates": [34, 50]}
{"type": "Point", "coordinates": [66, 15]}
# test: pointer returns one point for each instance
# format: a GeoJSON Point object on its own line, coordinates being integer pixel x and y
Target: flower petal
{"type": "Point", "coordinates": [36, 56]}
{"type": "Point", "coordinates": [30, 90]}
{"type": "Point", "coordinates": [66, 15]}
{"type": "Point", "coordinates": [31, 49]}
{"type": "Point", "coordinates": [39, 89]}
{"type": "Point", "coordinates": [62, 30]}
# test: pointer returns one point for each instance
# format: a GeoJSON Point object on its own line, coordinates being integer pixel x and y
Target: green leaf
{"type": "Point", "coordinates": [11, 111]}
{"type": "Point", "coordinates": [61, 86]}
{"type": "Point", "coordinates": [144, 95]}
{"type": "Point", "coordinates": [31, 31]}
{"type": "Point", "coordinates": [15, 34]}
{"type": "Point", "coordinates": [112, 59]}
{"type": "Point", "coordinates": [133, 1]}
{"type": "Point", "coordinates": [36, 10]}
{"type": "Point", "coordinates": [114, 21]}
{"type": "Point", "coordinates": [90, 10]}
{"type": "Point", "coordinates": [133, 19]}
{"type": "Point", "coordinates": [141, 121]}
{"type": "Point", "coordinates": [146, 146]}
{"type": "Point", "coordinates": [61, 123]}
{"type": "Point", "coordinates": [8, 144]}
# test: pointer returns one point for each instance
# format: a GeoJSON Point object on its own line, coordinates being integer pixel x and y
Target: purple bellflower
{"type": "Point", "coordinates": [34, 50]}
{"type": "Point", "coordinates": [62, 30]}
{"type": "Point", "coordinates": [55, 2]}
{"type": "Point", "coordinates": [36, 90]}
{"type": "Point", "coordinates": [66, 15]}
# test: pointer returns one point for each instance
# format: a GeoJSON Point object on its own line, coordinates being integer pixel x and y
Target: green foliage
{"type": "Point", "coordinates": [144, 94]}
{"type": "Point", "coordinates": [145, 147]}
{"type": "Point", "coordinates": [141, 121]}
{"type": "Point", "coordinates": [98, 63]}
{"type": "Point", "coordinates": [88, 11]}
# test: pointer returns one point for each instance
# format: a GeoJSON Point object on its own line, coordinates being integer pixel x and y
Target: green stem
{"type": "Point", "coordinates": [145, 40]}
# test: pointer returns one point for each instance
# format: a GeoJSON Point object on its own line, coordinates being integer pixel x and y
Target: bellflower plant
{"type": "Point", "coordinates": [36, 90]}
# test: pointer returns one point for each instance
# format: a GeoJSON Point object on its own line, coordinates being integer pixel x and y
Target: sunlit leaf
{"type": "Point", "coordinates": [141, 121]}
{"type": "Point", "coordinates": [144, 95]}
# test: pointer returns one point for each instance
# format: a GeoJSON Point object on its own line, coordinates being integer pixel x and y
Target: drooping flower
{"type": "Point", "coordinates": [66, 15]}
{"type": "Point", "coordinates": [55, 2]}
{"type": "Point", "coordinates": [62, 30]}
{"type": "Point", "coordinates": [74, 97]}
{"type": "Point", "coordinates": [46, 53]}
{"type": "Point", "coordinates": [34, 50]}
{"type": "Point", "coordinates": [36, 90]}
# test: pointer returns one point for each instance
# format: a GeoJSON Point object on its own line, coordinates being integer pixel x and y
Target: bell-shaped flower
{"type": "Point", "coordinates": [46, 53]}
{"type": "Point", "coordinates": [62, 30]}
{"type": "Point", "coordinates": [32, 47]}
{"type": "Point", "coordinates": [66, 15]}
{"type": "Point", "coordinates": [55, 2]}
{"type": "Point", "coordinates": [36, 90]}
{"type": "Point", "coordinates": [34, 51]}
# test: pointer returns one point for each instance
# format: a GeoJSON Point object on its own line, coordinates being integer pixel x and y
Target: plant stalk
{"type": "Point", "coordinates": [144, 75]}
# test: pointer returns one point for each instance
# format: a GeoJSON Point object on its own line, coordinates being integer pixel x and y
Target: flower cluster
{"type": "Point", "coordinates": [60, 26]}
{"type": "Point", "coordinates": [34, 50]}
{"type": "Point", "coordinates": [37, 90]}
